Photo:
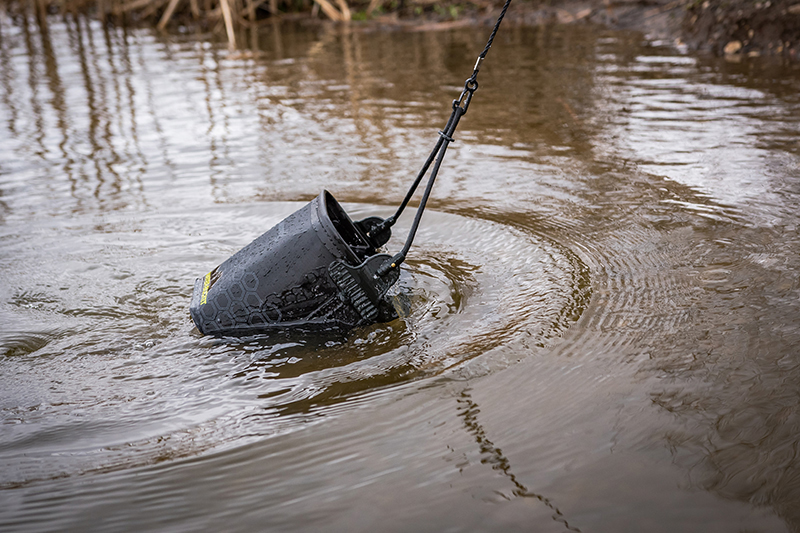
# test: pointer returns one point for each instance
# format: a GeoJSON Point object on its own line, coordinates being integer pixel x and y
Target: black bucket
{"type": "Point", "coordinates": [313, 270]}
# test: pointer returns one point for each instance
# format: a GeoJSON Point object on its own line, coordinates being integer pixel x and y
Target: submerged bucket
{"type": "Point", "coordinates": [315, 269]}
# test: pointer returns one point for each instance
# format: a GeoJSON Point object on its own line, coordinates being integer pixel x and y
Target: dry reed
{"type": "Point", "coordinates": [227, 14]}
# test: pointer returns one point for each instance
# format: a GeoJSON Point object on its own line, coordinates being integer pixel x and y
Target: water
{"type": "Point", "coordinates": [605, 303]}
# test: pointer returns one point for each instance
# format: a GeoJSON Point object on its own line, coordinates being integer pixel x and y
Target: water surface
{"type": "Point", "coordinates": [605, 303]}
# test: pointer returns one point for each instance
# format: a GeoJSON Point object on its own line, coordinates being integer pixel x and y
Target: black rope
{"type": "Point", "coordinates": [389, 222]}
{"type": "Point", "coordinates": [494, 31]}
{"type": "Point", "coordinates": [460, 107]}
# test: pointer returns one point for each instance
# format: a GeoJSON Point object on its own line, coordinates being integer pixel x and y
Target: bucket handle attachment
{"type": "Point", "coordinates": [362, 286]}
{"type": "Point", "coordinates": [365, 285]}
{"type": "Point", "coordinates": [460, 107]}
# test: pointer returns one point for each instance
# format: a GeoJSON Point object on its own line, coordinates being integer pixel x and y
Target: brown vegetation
{"type": "Point", "coordinates": [734, 28]}
{"type": "Point", "coordinates": [234, 14]}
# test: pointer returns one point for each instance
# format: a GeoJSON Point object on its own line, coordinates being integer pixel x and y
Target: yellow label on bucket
{"type": "Point", "coordinates": [206, 285]}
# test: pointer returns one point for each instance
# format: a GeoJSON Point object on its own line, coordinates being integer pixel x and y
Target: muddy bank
{"type": "Point", "coordinates": [734, 28]}
{"type": "Point", "coordinates": [745, 28]}
{"type": "Point", "coordinates": [731, 28]}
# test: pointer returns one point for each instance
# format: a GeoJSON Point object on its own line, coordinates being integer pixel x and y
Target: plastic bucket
{"type": "Point", "coordinates": [282, 280]}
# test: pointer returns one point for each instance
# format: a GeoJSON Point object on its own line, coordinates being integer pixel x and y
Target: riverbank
{"type": "Point", "coordinates": [732, 28]}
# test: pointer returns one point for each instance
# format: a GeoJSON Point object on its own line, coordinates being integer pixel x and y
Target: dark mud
{"type": "Point", "coordinates": [745, 28]}
{"type": "Point", "coordinates": [732, 28]}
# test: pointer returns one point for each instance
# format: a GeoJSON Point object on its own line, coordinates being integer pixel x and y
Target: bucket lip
{"type": "Point", "coordinates": [194, 306]}
{"type": "Point", "coordinates": [333, 237]}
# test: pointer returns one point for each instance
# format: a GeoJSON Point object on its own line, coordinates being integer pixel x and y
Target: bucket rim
{"type": "Point", "coordinates": [334, 241]}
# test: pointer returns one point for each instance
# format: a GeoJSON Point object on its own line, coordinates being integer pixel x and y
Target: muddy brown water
{"type": "Point", "coordinates": [605, 304]}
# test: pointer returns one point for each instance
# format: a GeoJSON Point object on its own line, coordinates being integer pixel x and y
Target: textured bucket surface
{"type": "Point", "coordinates": [281, 279]}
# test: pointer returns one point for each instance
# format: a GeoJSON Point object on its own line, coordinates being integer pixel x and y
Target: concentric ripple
{"type": "Point", "coordinates": [131, 382]}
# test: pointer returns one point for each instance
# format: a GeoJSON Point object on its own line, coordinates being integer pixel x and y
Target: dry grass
{"type": "Point", "coordinates": [231, 15]}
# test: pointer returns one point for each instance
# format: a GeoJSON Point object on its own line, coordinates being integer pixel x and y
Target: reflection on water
{"type": "Point", "coordinates": [494, 456]}
{"type": "Point", "coordinates": [604, 298]}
